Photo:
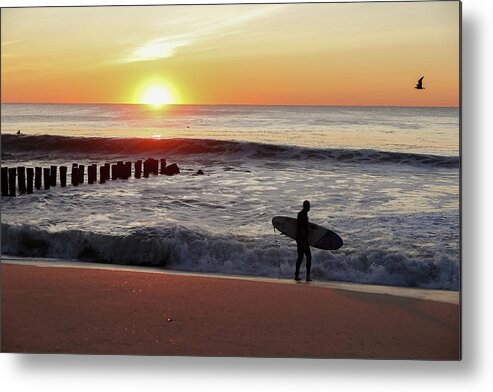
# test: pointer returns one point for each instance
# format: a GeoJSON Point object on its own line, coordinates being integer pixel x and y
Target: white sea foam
{"type": "Point", "coordinates": [177, 248]}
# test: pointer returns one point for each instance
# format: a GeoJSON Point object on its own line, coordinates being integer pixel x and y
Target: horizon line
{"type": "Point", "coordinates": [226, 104]}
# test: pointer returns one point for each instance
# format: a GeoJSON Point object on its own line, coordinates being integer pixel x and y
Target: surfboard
{"type": "Point", "coordinates": [318, 236]}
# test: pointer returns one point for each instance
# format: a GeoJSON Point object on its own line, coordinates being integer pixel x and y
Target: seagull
{"type": "Point", "coordinates": [419, 85]}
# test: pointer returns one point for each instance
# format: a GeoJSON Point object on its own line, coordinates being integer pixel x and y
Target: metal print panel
{"type": "Point", "coordinates": [266, 180]}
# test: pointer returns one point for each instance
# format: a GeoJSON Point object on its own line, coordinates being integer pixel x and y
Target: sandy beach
{"type": "Point", "coordinates": [98, 311]}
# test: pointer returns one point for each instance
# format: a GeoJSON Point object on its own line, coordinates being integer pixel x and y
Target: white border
{"type": "Point", "coordinates": [83, 373]}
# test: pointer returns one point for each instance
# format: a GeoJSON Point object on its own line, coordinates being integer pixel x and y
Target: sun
{"type": "Point", "coordinates": [156, 95]}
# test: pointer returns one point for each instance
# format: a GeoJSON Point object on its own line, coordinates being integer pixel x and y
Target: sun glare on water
{"type": "Point", "coordinates": [157, 96]}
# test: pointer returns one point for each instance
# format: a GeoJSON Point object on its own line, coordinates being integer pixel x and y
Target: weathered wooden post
{"type": "Point", "coordinates": [75, 174]}
{"type": "Point", "coordinates": [30, 177]}
{"type": "Point", "coordinates": [63, 176]}
{"type": "Point", "coordinates": [114, 172]}
{"type": "Point", "coordinates": [155, 166]}
{"type": "Point", "coordinates": [21, 178]}
{"type": "Point", "coordinates": [102, 174]}
{"type": "Point", "coordinates": [91, 175]}
{"type": "Point", "coordinates": [46, 178]}
{"type": "Point", "coordinates": [128, 170]}
{"type": "Point", "coordinates": [122, 170]}
{"type": "Point", "coordinates": [81, 174]}
{"type": "Point", "coordinates": [95, 172]}
{"type": "Point", "coordinates": [12, 178]}
{"type": "Point", "coordinates": [163, 165]}
{"type": "Point", "coordinates": [172, 169]}
{"type": "Point", "coordinates": [107, 167]}
{"type": "Point", "coordinates": [138, 169]}
{"type": "Point", "coordinates": [119, 169]}
{"type": "Point", "coordinates": [37, 177]}
{"type": "Point", "coordinates": [5, 181]}
{"type": "Point", "coordinates": [146, 168]}
{"type": "Point", "coordinates": [53, 171]}
{"type": "Point", "coordinates": [151, 165]}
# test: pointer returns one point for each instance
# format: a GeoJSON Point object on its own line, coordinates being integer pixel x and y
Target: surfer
{"type": "Point", "coordinates": [302, 242]}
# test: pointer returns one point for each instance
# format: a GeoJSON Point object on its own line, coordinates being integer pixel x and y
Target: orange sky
{"type": "Point", "coordinates": [286, 54]}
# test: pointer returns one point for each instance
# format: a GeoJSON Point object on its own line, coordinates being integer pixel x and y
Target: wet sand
{"type": "Point", "coordinates": [104, 311]}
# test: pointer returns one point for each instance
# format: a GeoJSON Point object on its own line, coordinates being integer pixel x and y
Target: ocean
{"type": "Point", "coordinates": [386, 179]}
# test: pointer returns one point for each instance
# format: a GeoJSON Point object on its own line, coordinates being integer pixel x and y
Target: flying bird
{"type": "Point", "coordinates": [419, 85]}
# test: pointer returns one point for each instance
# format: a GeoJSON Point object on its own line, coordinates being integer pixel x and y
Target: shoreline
{"type": "Point", "coordinates": [110, 311]}
{"type": "Point", "coordinates": [446, 296]}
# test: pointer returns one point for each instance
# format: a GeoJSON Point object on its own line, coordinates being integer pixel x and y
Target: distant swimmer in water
{"type": "Point", "coordinates": [419, 85]}
{"type": "Point", "coordinates": [302, 242]}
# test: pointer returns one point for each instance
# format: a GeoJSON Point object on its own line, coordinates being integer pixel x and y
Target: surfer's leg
{"type": "Point", "coordinates": [308, 262]}
{"type": "Point", "coordinates": [298, 260]}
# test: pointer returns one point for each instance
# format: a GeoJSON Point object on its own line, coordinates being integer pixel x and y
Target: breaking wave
{"type": "Point", "coordinates": [64, 146]}
{"type": "Point", "coordinates": [179, 248]}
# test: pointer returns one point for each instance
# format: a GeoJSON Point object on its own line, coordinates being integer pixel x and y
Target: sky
{"type": "Point", "coordinates": [354, 54]}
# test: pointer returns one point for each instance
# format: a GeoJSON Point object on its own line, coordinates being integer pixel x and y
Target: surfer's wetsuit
{"type": "Point", "coordinates": [302, 243]}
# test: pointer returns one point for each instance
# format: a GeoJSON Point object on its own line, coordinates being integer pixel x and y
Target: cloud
{"type": "Point", "coordinates": [157, 49]}
{"type": "Point", "coordinates": [212, 27]}
{"type": "Point", "coordinates": [7, 43]}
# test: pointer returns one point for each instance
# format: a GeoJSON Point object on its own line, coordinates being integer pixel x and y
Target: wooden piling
{"type": "Point", "coordinates": [119, 169]}
{"type": "Point", "coordinates": [37, 177]}
{"type": "Point", "coordinates": [75, 174]}
{"type": "Point", "coordinates": [102, 174]}
{"type": "Point", "coordinates": [151, 165]}
{"type": "Point", "coordinates": [122, 173]}
{"type": "Point", "coordinates": [12, 178]}
{"type": "Point", "coordinates": [46, 178]}
{"type": "Point", "coordinates": [128, 170]}
{"type": "Point", "coordinates": [146, 168]}
{"type": "Point", "coordinates": [163, 165]}
{"type": "Point", "coordinates": [155, 166]}
{"type": "Point", "coordinates": [63, 176]}
{"type": "Point", "coordinates": [138, 169]}
{"type": "Point", "coordinates": [114, 172]}
{"type": "Point", "coordinates": [29, 178]}
{"type": "Point", "coordinates": [95, 172]}
{"type": "Point", "coordinates": [81, 174]}
{"type": "Point", "coordinates": [53, 172]}
{"type": "Point", "coordinates": [5, 181]}
{"type": "Point", "coordinates": [21, 179]}
{"type": "Point", "coordinates": [91, 174]}
{"type": "Point", "coordinates": [107, 167]}
{"type": "Point", "coordinates": [172, 169]}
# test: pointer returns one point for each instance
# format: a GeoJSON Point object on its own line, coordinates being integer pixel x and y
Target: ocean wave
{"type": "Point", "coordinates": [180, 248]}
{"type": "Point", "coordinates": [67, 146]}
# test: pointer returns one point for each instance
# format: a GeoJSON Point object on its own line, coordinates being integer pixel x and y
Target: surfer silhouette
{"type": "Point", "coordinates": [302, 242]}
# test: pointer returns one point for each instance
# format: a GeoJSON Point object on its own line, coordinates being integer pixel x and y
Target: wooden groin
{"type": "Point", "coordinates": [21, 180]}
